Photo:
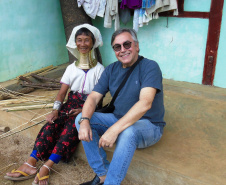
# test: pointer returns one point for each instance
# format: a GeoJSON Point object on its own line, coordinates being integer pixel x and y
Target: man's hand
{"type": "Point", "coordinates": [85, 131]}
{"type": "Point", "coordinates": [74, 112]}
{"type": "Point", "coordinates": [52, 116]}
{"type": "Point", "coordinates": [108, 138]}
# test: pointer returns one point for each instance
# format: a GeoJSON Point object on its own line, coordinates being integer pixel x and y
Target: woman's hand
{"type": "Point", "coordinates": [74, 112]}
{"type": "Point", "coordinates": [52, 116]}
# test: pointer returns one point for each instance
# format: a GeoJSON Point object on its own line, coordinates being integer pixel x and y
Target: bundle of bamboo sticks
{"type": "Point", "coordinates": [17, 101]}
{"type": "Point", "coordinates": [39, 71]}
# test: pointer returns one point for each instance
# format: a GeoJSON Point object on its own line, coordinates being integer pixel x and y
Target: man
{"type": "Point", "coordinates": [137, 121]}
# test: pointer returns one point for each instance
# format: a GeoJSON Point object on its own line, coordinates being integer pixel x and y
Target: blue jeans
{"type": "Point", "coordinates": [140, 135]}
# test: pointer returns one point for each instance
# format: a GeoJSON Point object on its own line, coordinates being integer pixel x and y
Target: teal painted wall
{"type": "Point", "coordinates": [107, 54]}
{"type": "Point", "coordinates": [220, 74]}
{"type": "Point", "coordinates": [31, 36]}
{"type": "Point", "coordinates": [197, 6]}
{"type": "Point", "coordinates": [179, 47]}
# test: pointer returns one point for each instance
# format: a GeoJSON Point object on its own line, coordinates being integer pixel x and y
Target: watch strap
{"type": "Point", "coordinates": [83, 118]}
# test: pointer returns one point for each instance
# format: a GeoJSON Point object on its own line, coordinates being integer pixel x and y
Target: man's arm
{"type": "Point", "coordinates": [146, 98]}
{"type": "Point", "coordinates": [85, 132]}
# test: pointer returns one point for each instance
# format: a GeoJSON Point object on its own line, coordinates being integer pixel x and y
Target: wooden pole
{"type": "Point", "coordinates": [74, 16]}
{"type": "Point", "coordinates": [38, 77]}
{"type": "Point", "coordinates": [4, 129]}
{"type": "Point", "coordinates": [7, 135]}
{"type": "Point", "coordinates": [28, 107]}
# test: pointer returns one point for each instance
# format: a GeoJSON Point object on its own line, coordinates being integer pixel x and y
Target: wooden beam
{"type": "Point", "coordinates": [74, 16]}
{"type": "Point", "coordinates": [212, 41]}
{"type": "Point", "coordinates": [201, 15]}
{"type": "Point", "coordinates": [28, 107]}
{"type": "Point", "coordinates": [4, 129]}
{"type": "Point", "coordinates": [185, 14]}
{"type": "Point", "coordinates": [215, 19]}
{"type": "Point", "coordinates": [180, 4]}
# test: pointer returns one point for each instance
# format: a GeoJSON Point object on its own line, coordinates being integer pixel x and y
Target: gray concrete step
{"type": "Point", "coordinates": [192, 150]}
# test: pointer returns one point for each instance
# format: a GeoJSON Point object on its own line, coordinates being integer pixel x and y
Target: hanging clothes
{"type": "Point", "coordinates": [162, 6]}
{"type": "Point", "coordinates": [90, 7]}
{"type": "Point", "coordinates": [125, 15]}
{"type": "Point", "coordinates": [132, 4]}
{"type": "Point", "coordinates": [140, 18]}
{"type": "Point", "coordinates": [148, 3]}
{"type": "Point", "coordinates": [101, 9]}
{"type": "Point", "coordinates": [136, 20]}
{"type": "Point", "coordinates": [111, 13]}
{"type": "Point", "coordinates": [158, 4]}
{"type": "Point", "coordinates": [171, 7]}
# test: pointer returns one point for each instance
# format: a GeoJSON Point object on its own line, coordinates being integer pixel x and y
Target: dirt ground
{"type": "Point", "coordinates": [15, 149]}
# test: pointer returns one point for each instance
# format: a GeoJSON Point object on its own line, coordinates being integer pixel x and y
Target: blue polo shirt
{"type": "Point", "coordinates": [146, 74]}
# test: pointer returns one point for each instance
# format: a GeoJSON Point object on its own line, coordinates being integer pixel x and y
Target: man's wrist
{"type": "Point", "coordinates": [82, 119]}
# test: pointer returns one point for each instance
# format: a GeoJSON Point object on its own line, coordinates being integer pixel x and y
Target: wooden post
{"type": "Point", "coordinates": [4, 129]}
{"type": "Point", "coordinates": [213, 38]}
{"type": "Point", "coordinates": [74, 16]}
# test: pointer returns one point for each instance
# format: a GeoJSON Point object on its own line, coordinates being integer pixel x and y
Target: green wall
{"type": "Point", "coordinates": [178, 47]}
{"type": "Point", "coordinates": [177, 44]}
{"type": "Point", "coordinates": [197, 6]}
{"type": "Point", "coordinates": [31, 36]}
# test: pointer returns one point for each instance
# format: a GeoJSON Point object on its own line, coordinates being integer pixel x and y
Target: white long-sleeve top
{"type": "Point", "coordinates": [82, 81]}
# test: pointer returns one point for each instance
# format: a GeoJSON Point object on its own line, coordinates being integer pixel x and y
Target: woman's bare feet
{"type": "Point", "coordinates": [29, 168]}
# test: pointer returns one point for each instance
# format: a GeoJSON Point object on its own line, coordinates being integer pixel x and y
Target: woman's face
{"type": "Point", "coordinates": [84, 43]}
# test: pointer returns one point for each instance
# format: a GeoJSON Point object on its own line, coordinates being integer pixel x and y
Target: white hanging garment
{"type": "Point", "coordinates": [90, 7]}
{"type": "Point", "coordinates": [111, 13]}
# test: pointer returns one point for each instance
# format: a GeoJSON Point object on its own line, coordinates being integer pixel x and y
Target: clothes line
{"type": "Point", "coordinates": [143, 11]}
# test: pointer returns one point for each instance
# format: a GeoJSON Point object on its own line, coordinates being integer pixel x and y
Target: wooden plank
{"type": "Point", "coordinates": [37, 71]}
{"type": "Point", "coordinates": [44, 72]}
{"type": "Point", "coordinates": [212, 41]}
{"type": "Point", "coordinates": [38, 77]}
{"type": "Point", "coordinates": [29, 107]}
{"type": "Point", "coordinates": [4, 129]}
{"type": "Point", "coordinates": [185, 14]}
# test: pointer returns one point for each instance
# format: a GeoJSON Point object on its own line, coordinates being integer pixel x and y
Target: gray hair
{"type": "Point", "coordinates": [122, 30]}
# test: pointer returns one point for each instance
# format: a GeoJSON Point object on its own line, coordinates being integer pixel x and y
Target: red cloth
{"type": "Point", "coordinates": [60, 138]}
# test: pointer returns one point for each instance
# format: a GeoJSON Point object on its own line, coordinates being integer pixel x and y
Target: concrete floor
{"type": "Point", "coordinates": [192, 150]}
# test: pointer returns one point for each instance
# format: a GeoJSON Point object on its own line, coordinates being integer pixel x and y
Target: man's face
{"type": "Point", "coordinates": [127, 56]}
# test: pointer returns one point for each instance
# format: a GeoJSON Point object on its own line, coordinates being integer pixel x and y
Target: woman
{"type": "Point", "coordinates": [58, 138]}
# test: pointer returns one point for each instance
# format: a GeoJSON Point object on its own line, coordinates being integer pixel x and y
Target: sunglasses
{"type": "Point", "coordinates": [118, 47]}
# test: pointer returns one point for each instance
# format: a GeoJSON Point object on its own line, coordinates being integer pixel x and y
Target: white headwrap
{"type": "Point", "coordinates": [71, 45]}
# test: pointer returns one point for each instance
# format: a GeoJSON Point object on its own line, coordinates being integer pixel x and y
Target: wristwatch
{"type": "Point", "coordinates": [82, 118]}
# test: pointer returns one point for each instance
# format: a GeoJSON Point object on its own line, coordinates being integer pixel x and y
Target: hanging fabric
{"type": "Point", "coordinates": [132, 4]}
{"type": "Point", "coordinates": [171, 7]}
{"type": "Point", "coordinates": [144, 10]}
{"type": "Point", "coordinates": [140, 17]}
{"type": "Point", "coordinates": [90, 7]}
{"type": "Point", "coordinates": [111, 13]}
{"type": "Point", "coordinates": [125, 15]}
{"type": "Point", "coordinates": [101, 9]}
{"type": "Point", "coordinates": [162, 6]}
